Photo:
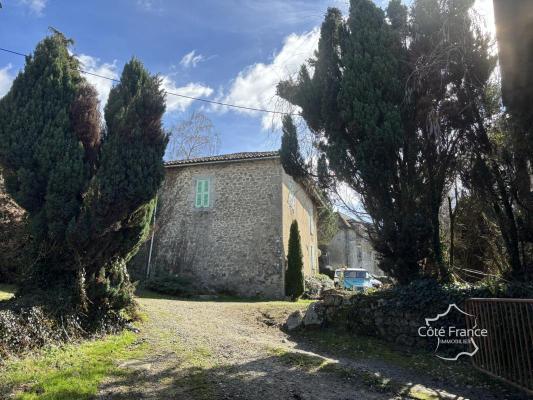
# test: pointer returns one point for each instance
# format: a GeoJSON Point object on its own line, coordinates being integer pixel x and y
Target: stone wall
{"type": "Point", "coordinates": [370, 316]}
{"type": "Point", "coordinates": [234, 245]}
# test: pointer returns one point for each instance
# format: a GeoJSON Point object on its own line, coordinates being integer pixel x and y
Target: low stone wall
{"type": "Point", "coordinates": [366, 315]}
{"type": "Point", "coordinates": [396, 313]}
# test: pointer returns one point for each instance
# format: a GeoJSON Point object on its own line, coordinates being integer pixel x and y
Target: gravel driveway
{"type": "Point", "coordinates": [235, 350]}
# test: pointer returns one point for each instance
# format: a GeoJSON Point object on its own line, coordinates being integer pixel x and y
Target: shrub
{"type": "Point", "coordinates": [24, 326]}
{"type": "Point", "coordinates": [13, 237]}
{"type": "Point", "coordinates": [172, 285]}
{"type": "Point", "coordinates": [88, 191]}
{"type": "Point", "coordinates": [428, 295]}
{"type": "Point", "coordinates": [294, 278]}
{"type": "Point", "coordinates": [395, 313]}
{"type": "Point", "coordinates": [314, 285]}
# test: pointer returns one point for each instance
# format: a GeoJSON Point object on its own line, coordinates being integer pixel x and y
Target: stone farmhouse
{"type": "Point", "coordinates": [224, 221]}
{"type": "Point", "coordinates": [351, 248]}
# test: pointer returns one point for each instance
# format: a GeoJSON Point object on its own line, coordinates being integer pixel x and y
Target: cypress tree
{"type": "Point", "coordinates": [291, 159]}
{"type": "Point", "coordinates": [392, 97]}
{"type": "Point", "coordinates": [294, 278]}
{"type": "Point", "coordinates": [324, 180]}
{"type": "Point", "coordinates": [88, 190]}
{"type": "Point", "coordinates": [352, 100]}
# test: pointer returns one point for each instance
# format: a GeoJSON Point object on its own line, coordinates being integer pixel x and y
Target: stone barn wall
{"type": "Point", "coordinates": [234, 245]}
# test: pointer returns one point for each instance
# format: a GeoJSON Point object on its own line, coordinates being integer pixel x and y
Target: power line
{"type": "Point", "coordinates": [220, 103]}
{"type": "Point", "coordinates": [13, 52]}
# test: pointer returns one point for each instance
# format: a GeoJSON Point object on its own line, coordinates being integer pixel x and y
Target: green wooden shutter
{"type": "Point", "coordinates": [205, 201]}
{"type": "Point", "coordinates": [198, 201]}
{"type": "Point", "coordinates": [202, 193]}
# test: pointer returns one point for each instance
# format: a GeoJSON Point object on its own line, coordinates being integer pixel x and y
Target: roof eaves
{"type": "Point", "coordinates": [235, 157]}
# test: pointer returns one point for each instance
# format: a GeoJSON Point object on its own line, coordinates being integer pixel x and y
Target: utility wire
{"type": "Point", "coordinates": [172, 93]}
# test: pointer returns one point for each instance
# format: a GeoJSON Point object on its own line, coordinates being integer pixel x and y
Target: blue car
{"type": "Point", "coordinates": [354, 279]}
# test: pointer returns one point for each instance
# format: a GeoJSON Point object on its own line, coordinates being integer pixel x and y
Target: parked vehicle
{"type": "Point", "coordinates": [354, 279]}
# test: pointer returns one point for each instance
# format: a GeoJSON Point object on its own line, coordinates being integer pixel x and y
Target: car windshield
{"type": "Point", "coordinates": [355, 274]}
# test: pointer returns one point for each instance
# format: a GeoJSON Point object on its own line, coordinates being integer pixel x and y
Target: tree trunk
{"type": "Point", "coordinates": [452, 229]}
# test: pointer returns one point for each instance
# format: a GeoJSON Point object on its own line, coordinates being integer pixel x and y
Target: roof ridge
{"type": "Point", "coordinates": [247, 155]}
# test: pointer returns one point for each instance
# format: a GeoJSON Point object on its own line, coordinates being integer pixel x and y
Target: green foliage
{"type": "Point", "coordinates": [41, 155]}
{"type": "Point", "coordinates": [294, 278]}
{"type": "Point", "coordinates": [327, 224]}
{"type": "Point", "coordinates": [496, 173]}
{"type": "Point", "coordinates": [88, 192]}
{"type": "Point", "coordinates": [315, 284]}
{"type": "Point", "coordinates": [478, 244]}
{"type": "Point", "coordinates": [324, 178]}
{"type": "Point", "coordinates": [13, 238]}
{"type": "Point", "coordinates": [172, 285]}
{"type": "Point", "coordinates": [291, 159]}
{"type": "Point", "coordinates": [390, 103]}
{"type": "Point", "coordinates": [427, 296]}
{"type": "Point", "coordinates": [358, 114]}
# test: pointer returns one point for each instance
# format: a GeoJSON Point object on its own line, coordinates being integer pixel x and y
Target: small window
{"type": "Point", "coordinates": [202, 193]}
{"type": "Point", "coordinates": [311, 224]}
{"type": "Point", "coordinates": [292, 198]}
{"type": "Point", "coordinates": [312, 256]}
{"type": "Point", "coordinates": [360, 274]}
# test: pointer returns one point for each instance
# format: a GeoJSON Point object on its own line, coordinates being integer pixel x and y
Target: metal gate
{"type": "Point", "coordinates": [506, 352]}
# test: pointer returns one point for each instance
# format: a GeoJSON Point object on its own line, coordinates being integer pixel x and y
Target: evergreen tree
{"type": "Point", "coordinates": [448, 83]}
{"type": "Point", "coordinates": [358, 114]}
{"type": "Point", "coordinates": [392, 94]}
{"type": "Point", "coordinates": [478, 244]}
{"type": "Point", "coordinates": [88, 192]}
{"type": "Point", "coordinates": [294, 278]}
{"type": "Point", "coordinates": [291, 159]}
{"type": "Point", "coordinates": [492, 172]}
{"type": "Point", "coordinates": [327, 224]}
{"type": "Point", "coordinates": [324, 179]}
{"type": "Point", "coordinates": [504, 153]}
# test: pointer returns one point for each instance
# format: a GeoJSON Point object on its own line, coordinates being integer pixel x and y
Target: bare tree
{"type": "Point", "coordinates": [194, 136]}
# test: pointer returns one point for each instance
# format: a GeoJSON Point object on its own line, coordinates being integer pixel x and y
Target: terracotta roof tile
{"type": "Point", "coordinates": [225, 157]}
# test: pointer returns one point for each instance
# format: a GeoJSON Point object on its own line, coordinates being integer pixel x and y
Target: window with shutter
{"type": "Point", "coordinates": [202, 193]}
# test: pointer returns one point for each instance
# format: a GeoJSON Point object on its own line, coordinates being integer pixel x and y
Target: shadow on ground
{"type": "Point", "coordinates": [302, 374]}
{"type": "Point", "coordinates": [408, 368]}
{"type": "Point", "coordinates": [285, 377]}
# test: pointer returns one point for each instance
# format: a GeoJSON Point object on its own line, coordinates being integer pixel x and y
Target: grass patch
{"type": "Point", "coordinates": [297, 359]}
{"type": "Point", "coordinates": [6, 291]}
{"type": "Point", "coordinates": [195, 363]}
{"type": "Point", "coordinates": [70, 372]}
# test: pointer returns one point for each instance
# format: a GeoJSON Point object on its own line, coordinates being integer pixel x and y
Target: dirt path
{"type": "Point", "coordinates": [234, 350]}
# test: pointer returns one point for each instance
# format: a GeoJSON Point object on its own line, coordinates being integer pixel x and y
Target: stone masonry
{"type": "Point", "coordinates": [236, 244]}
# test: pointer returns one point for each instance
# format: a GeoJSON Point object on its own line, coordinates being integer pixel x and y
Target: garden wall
{"type": "Point", "coordinates": [396, 314]}
{"type": "Point", "coordinates": [374, 316]}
